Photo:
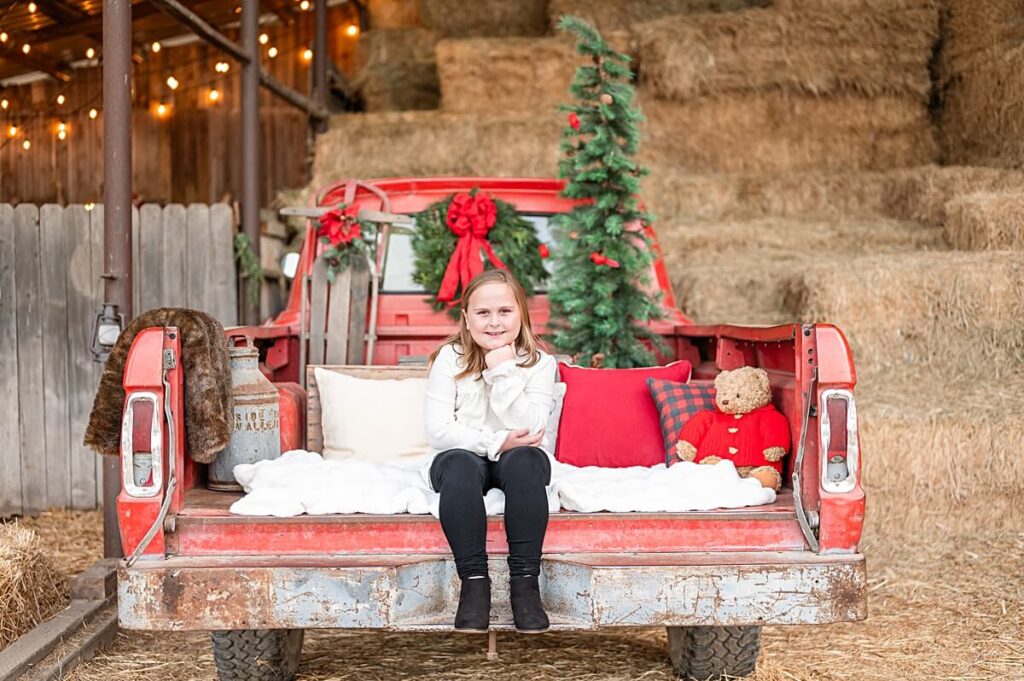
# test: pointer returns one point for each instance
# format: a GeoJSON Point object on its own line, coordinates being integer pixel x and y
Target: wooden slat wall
{"type": "Point", "coordinates": [50, 266]}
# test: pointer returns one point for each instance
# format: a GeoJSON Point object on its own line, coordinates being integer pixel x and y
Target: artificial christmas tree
{"type": "Point", "coordinates": [598, 304]}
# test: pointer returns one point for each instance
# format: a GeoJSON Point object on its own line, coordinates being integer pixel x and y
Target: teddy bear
{"type": "Point", "coordinates": [745, 428]}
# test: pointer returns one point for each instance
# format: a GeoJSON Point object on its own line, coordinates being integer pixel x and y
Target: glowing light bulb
{"type": "Point", "coordinates": [272, 52]}
{"type": "Point", "coordinates": [60, 100]}
{"type": "Point", "coordinates": [26, 48]}
{"type": "Point", "coordinates": [88, 205]}
{"type": "Point", "coordinates": [351, 30]}
{"type": "Point", "coordinates": [155, 47]}
{"type": "Point", "coordinates": [32, 8]}
{"type": "Point", "coordinates": [4, 103]}
{"type": "Point", "coordinates": [161, 110]}
{"type": "Point", "coordinates": [3, 36]}
{"type": "Point", "coordinates": [93, 113]}
{"type": "Point", "coordinates": [172, 82]}
{"type": "Point", "coordinates": [26, 145]}
{"type": "Point", "coordinates": [238, 10]}
{"type": "Point", "coordinates": [90, 53]}
{"type": "Point", "coordinates": [307, 55]}
{"type": "Point", "coordinates": [304, 5]}
{"type": "Point", "coordinates": [214, 95]}
{"type": "Point", "coordinates": [61, 135]}
{"type": "Point", "coordinates": [264, 38]}
{"type": "Point", "coordinates": [61, 127]}
{"type": "Point", "coordinates": [221, 67]}
{"type": "Point", "coordinates": [12, 131]}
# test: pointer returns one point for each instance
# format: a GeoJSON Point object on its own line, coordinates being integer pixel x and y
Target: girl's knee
{"type": "Point", "coordinates": [525, 464]}
{"type": "Point", "coordinates": [457, 467]}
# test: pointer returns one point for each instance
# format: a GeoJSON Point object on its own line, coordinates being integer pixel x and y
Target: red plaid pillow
{"type": "Point", "coordinates": [677, 403]}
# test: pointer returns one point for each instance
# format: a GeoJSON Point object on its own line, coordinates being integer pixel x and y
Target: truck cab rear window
{"type": "Point", "coordinates": [398, 261]}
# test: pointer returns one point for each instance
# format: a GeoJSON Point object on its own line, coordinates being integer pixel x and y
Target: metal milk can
{"type": "Point", "coordinates": [256, 431]}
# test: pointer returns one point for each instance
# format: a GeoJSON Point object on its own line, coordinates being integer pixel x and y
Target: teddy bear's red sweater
{"type": "Point", "coordinates": [741, 438]}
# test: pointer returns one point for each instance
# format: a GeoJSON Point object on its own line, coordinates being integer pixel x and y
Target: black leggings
{"type": "Point", "coordinates": [463, 477]}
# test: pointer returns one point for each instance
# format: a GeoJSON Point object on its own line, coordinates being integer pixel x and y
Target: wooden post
{"type": "Point", "coordinates": [251, 143]}
{"type": "Point", "coordinates": [320, 61]}
{"type": "Point", "coordinates": [117, 209]}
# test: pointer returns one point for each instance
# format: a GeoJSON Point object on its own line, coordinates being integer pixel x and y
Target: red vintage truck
{"type": "Point", "coordinates": [712, 578]}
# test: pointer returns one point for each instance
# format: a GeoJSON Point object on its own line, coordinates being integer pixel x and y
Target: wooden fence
{"type": "Point", "coordinates": [50, 286]}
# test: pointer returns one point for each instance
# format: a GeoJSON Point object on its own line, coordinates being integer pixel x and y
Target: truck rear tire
{"type": "Point", "coordinates": [702, 653]}
{"type": "Point", "coordinates": [257, 654]}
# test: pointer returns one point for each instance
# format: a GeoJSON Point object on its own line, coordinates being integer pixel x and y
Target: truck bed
{"type": "Point", "coordinates": [205, 527]}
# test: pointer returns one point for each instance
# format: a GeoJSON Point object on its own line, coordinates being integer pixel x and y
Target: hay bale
{"type": "Point", "coordinates": [395, 46]}
{"type": "Point", "coordinates": [952, 311]}
{"type": "Point", "coordinates": [615, 15]}
{"type": "Point", "coordinates": [978, 31]}
{"type": "Point", "coordinates": [31, 589]}
{"type": "Point", "coordinates": [924, 193]}
{"type": "Point", "coordinates": [399, 87]}
{"type": "Point", "coordinates": [675, 195]}
{"type": "Point", "coordinates": [944, 442]}
{"type": "Point", "coordinates": [397, 70]}
{"type": "Point", "coordinates": [982, 119]}
{"type": "Point", "coordinates": [744, 271]}
{"type": "Point", "coordinates": [986, 221]}
{"type": "Point", "coordinates": [392, 13]}
{"type": "Point", "coordinates": [487, 75]}
{"type": "Point", "coordinates": [776, 132]}
{"type": "Point", "coordinates": [485, 18]}
{"type": "Point", "coordinates": [435, 143]}
{"type": "Point", "coordinates": [819, 52]}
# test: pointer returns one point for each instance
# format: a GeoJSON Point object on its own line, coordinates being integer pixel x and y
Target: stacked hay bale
{"type": "Point", "coordinates": [981, 81]}
{"type": "Point", "coordinates": [397, 70]}
{"type": "Point", "coordinates": [485, 18]}
{"type": "Point", "coordinates": [775, 89]}
{"type": "Point", "coordinates": [615, 15]}
{"type": "Point", "coordinates": [31, 589]}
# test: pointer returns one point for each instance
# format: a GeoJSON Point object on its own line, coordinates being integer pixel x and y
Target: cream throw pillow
{"type": "Point", "coordinates": [372, 419]}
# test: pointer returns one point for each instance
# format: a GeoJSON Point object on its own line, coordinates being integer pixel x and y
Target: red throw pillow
{"type": "Point", "coordinates": [609, 418]}
{"type": "Point", "coordinates": [677, 403]}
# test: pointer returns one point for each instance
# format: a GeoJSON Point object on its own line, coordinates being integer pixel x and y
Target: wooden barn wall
{"type": "Point", "coordinates": [193, 154]}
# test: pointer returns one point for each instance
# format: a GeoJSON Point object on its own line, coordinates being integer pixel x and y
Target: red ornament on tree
{"type": "Point", "coordinates": [469, 217]}
{"type": "Point", "coordinates": [599, 259]}
{"type": "Point", "coordinates": [574, 121]}
{"type": "Point", "coordinates": [544, 250]}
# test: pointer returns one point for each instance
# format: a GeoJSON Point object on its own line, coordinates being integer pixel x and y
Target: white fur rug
{"type": "Point", "coordinates": [303, 482]}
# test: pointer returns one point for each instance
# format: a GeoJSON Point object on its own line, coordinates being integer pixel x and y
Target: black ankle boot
{"type": "Point", "coordinates": [474, 613]}
{"type": "Point", "coordinates": [527, 609]}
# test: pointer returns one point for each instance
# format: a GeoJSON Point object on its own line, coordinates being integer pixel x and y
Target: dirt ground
{"type": "Point", "coordinates": [940, 607]}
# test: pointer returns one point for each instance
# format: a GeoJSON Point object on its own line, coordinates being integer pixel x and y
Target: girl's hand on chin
{"type": "Point", "coordinates": [499, 355]}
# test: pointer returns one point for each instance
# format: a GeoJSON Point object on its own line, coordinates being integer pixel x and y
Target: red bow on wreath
{"type": "Point", "coordinates": [470, 217]}
{"type": "Point", "coordinates": [340, 226]}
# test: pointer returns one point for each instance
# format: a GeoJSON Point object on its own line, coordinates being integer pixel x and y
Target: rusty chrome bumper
{"type": "Point", "coordinates": [406, 593]}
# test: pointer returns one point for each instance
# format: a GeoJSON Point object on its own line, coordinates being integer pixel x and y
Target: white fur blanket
{"type": "Point", "coordinates": [303, 482]}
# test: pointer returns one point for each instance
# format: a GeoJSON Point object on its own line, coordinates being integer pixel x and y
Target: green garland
{"type": "Point", "coordinates": [250, 267]}
{"type": "Point", "coordinates": [513, 239]}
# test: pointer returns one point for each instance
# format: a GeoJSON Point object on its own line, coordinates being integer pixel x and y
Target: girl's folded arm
{"type": "Point", "coordinates": [443, 431]}
{"type": "Point", "coordinates": [523, 398]}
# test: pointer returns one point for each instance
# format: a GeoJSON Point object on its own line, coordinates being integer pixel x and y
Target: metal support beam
{"type": "Point", "coordinates": [250, 142]}
{"type": "Point", "coordinates": [117, 208]}
{"type": "Point", "coordinates": [204, 30]}
{"type": "Point", "coordinates": [320, 61]}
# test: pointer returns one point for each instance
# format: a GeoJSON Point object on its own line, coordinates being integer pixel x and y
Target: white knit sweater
{"type": "Point", "coordinates": [477, 415]}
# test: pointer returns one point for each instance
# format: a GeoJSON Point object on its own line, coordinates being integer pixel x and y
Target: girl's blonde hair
{"type": "Point", "coordinates": [473, 363]}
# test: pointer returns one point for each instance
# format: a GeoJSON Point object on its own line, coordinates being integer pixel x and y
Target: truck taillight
{"type": "Point", "coordinates": [142, 445]}
{"type": "Point", "coordinates": [839, 443]}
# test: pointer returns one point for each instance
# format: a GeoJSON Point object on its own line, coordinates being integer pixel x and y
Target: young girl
{"type": "Point", "coordinates": [489, 396]}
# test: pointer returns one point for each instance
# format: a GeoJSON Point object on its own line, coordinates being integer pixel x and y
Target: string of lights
{"type": "Point", "coordinates": [26, 125]}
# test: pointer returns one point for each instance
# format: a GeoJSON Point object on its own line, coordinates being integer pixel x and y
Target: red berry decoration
{"type": "Point", "coordinates": [544, 250]}
{"type": "Point", "coordinates": [574, 121]}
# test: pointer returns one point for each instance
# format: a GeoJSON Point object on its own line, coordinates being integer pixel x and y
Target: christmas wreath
{"type": "Point", "coordinates": [347, 239]}
{"type": "Point", "coordinates": [455, 235]}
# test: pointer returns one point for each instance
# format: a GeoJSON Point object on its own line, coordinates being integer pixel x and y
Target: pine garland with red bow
{"type": "Point", "coordinates": [457, 238]}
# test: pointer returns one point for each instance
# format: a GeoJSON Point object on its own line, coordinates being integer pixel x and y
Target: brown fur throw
{"type": "Point", "coordinates": [208, 406]}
